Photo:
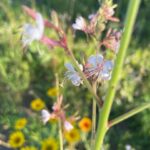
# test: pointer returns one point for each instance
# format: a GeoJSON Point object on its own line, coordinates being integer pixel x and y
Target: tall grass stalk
{"type": "Point", "coordinates": [104, 115]}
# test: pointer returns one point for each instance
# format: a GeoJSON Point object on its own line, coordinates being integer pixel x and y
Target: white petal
{"type": "Point", "coordinates": [68, 126]}
{"type": "Point", "coordinates": [31, 33]}
{"type": "Point", "coordinates": [79, 24]}
{"type": "Point", "coordinates": [95, 59]}
{"type": "Point", "coordinates": [40, 25]}
{"type": "Point", "coordinates": [45, 116]}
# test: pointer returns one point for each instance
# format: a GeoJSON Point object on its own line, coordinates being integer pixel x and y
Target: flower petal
{"type": "Point", "coordinates": [45, 115]}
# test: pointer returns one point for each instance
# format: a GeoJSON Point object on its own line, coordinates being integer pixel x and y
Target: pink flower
{"type": "Point", "coordinates": [112, 40]}
{"type": "Point", "coordinates": [80, 24]}
{"type": "Point", "coordinates": [107, 11]}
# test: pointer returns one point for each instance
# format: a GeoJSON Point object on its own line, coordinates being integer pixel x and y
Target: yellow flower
{"type": "Point", "coordinates": [37, 104]}
{"type": "Point", "coordinates": [20, 123]}
{"type": "Point", "coordinates": [29, 148]}
{"type": "Point", "coordinates": [50, 144]}
{"type": "Point", "coordinates": [52, 91]}
{"type": "Point", "coordinates": [16, 139]}
{"type": "Point", "coordinates": [85, 124]}
{"type": "Point", "coordinates": [72, 136]}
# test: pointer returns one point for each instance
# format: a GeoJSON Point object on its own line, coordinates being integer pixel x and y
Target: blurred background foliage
{"type": "Point", "coordinates": [27, 73]}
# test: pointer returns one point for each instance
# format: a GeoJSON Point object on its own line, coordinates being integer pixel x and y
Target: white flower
{"type": "Point", "coordinates": [31, 33]}
{"type": "Point", "coordinates": [128, 147]}
{"type": "Point", "coordinates": [72, 75]}
{"type": "Point", "coordinates": [79, 24]}
{"type": "Point", "coordinates": [45, 116]}
{"type": "Point", "coordinates": [97, 67]}
{"type": "Point", "coordinates": [68, 126]}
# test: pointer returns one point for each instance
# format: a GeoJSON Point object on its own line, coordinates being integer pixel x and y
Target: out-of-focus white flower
{"type": "Point", "coordinates": [98, 68]}
{"type": "Point", "coordinates": [79, 24]}
{"type": "Point", "coordinates": [68, 126]}
{"type": "Point", "coordinates": [72, 75]}
{"type": "Point", "coordinates": [31, 33]}
{"type": "Point", "coordinates": [45, 116]}
{"type": "Point", "coordinates": [128, 147]}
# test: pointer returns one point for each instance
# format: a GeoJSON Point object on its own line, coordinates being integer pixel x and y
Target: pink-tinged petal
{"type": "Point", "coordinates": [29, 11]}
{"type": "Point", "coordinates": [49, 42]}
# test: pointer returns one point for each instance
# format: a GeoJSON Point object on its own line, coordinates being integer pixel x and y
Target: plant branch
{"type": "Point", "coordinates": [128, 114]}
{"type": "Point", "coordinates": [104, 115]}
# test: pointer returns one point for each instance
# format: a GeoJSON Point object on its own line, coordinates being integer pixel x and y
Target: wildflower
{"type": "Point", "coordinates": [85, 124]}
{"type": "Point", "coordinates": [128, 147]}
{"type": "Point", "coordinates": [72, 75]}
{"type": "Point", "coordinates": [46, 116]}
{"type": "Point", "coordinates": [79, 24]}
{"type": "Point", "coordinates": [16, 139]}
{"type": "Point", "coordinates": [37, 104]}
{"type": "Point", "coordinates": [20, 123]}
{"type": "Point", "coordinates": [31, 33]}
{"type": "Point", "coordinates": [107, 11]}
{"type": "Point", "coordinates": [73, 136]}
{"type": "Point", "coordinates": [28, 148]}
{"type": "Point", "coordinates": [98, 68]}
{"type": "Point", "coordinates": [52, 91]}
{"type": "Point", "coordinates": [68, 126]}
{"type": "Point", "coordinates": [112, 40]}
{"type": "Point", "coordinates": [50, 144]}
{"type": "Point", "coordinates": [57, 113]}
{"type": "Point", "coordinates": [62, 42]}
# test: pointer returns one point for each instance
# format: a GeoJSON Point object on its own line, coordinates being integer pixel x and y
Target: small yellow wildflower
{"type": "Point", "coordinates": [37, 104]}
{"type": "Point", "coordinates": [73, 136]}
{"type": "Point", "coordinates": [20, 123]}
{"type": "Point", "coordinates": [85, 124]}
{"type": "Point", "coordinates": [50, 144]}
{"type": "Point", "coordinates": [16, 139]}
{"type": "Point", "coordinates": [52, 91]}
{"type": "Point", "coordinates": [28, 148]}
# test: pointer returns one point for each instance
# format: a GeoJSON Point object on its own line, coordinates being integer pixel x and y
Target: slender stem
{"type": "Point", "coordinates": [103, 120]}
{"type": "Point", "coordinates": [60, 135]}
{"type": "Point", "coordinates": [59, 122]}
{"type": "Point", "coordinates": [128, 114]}
{"type": "Point", "coordinates": [93, 118]}
{"type": "Point", "coordinates": [96, 98]}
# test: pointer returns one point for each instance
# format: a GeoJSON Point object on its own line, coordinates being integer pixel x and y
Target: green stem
{"type": "Point", "coordinates": [59, 122]}
{"type": "Point", "coordinates": [60, 135]}
{"type": "Point", "coordinates": [93, 118]}
{"type": "Point", "coordinates": [104, 115]}
{"type": "Point", "coordinates": [128, 114]}
{"type": "Point", "coordinates": [96, 98]}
